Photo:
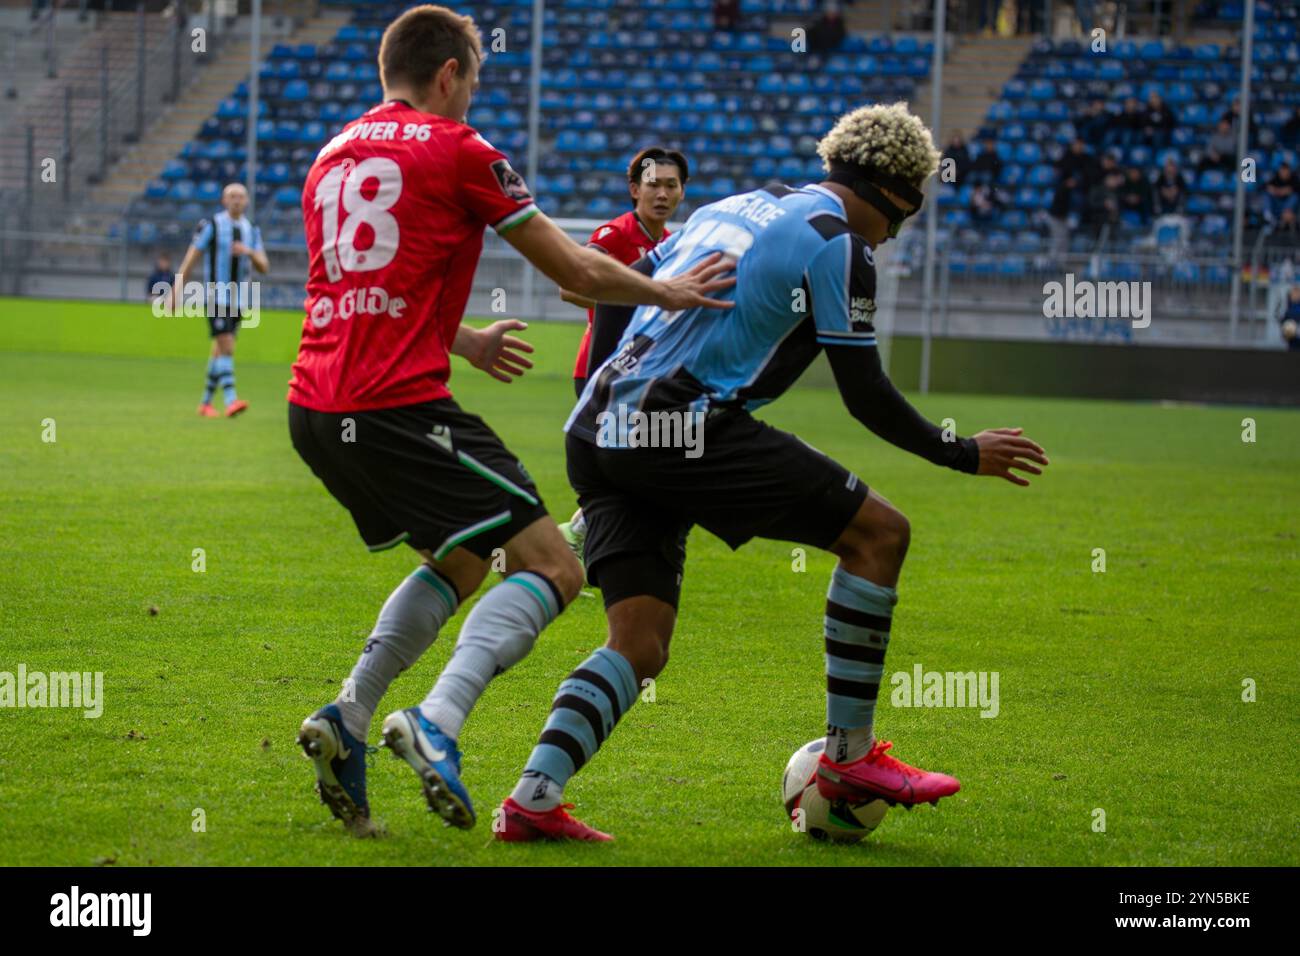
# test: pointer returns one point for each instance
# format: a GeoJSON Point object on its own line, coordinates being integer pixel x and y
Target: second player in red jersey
{"type": "Point", "coordinates": [657, 184]}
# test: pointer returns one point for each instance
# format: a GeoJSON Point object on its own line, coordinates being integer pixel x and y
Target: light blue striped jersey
{"type": "Point", "coordinates": [215, 236]}
{"type": "Point", "coordinates": [803, 281]}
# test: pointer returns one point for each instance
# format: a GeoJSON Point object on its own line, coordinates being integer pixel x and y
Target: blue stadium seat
{"type": "Point", "coordinates": [1041, 175]}
{"type": "Point", "coordinates": [1213, 181]}
{"type": "Point", "coordinates": [1012, 266]}
{"type": "Point", "coordinates": [1013, 220]}
{"type": "Point", "coordinates": [1214, 226]}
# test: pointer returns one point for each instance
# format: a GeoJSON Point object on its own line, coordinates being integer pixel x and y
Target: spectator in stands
{"type": "Point", "coordinates": [1234, 115]}
{"type": "Point", "coordinates": [162, 275]}
{"type": "Point", "coordinates": [1170, 192]}
{"type": "Point", "coordinates": [1029, 17]}
{"type": "Point", "coordinates": [827, 32]}
{"type": "Point", "coordinates": [726, 15]}
{"type": "Point", "coordinates": [1058, 220]}
{"type": "Point", "coordinates": [985, 204]}
{"type": "Point", "coordinates": [1282, 195]}
{"type": "Point", "coordinates": [1286, 234]}
{"type": "Point", "coordinates": [987, 166]}
{"type": "Point", "coordinates": [1077, 173]}
{"type": "Point", "coordinates": [1290, 132]}
{"type": "Point", "coordinates": [1158, 123]}
{"type": "Point", "coordinates": [1135, 196]}
{"type": "Point", "coordinates": [1221, 151]}
{"type": "Point", "coordinates": [1094, 123]}
{"type": "Point", "coordinates": [1083, 9]}
{"type": "Point", "coordinates": [988, 15]}
{"type": "Point", "coordinates": [1126, 130]}
{"type": "Point", "coordinates": [1104, 199]}
{"type": "Point", "coordinates": [959, 153]}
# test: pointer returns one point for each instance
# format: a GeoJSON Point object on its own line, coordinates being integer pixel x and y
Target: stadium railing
{"type": "Point", "coordinates": [1189, 301]}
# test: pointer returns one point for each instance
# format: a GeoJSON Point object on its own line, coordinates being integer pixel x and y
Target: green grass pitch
{"type": "Point", "coordinates": [1119, 691]}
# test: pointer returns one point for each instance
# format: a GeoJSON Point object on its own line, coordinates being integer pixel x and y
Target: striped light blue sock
{"type": "Point", "coordinates": [858, 615]}
{"type": "Point", "coordinates": [588, 704]}
{"type": "Point", "coordinates": [211, 386]}
{"type": "Point", "coordinates": [226, 377]}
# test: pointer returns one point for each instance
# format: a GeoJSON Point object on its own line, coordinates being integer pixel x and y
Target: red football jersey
{"type": "Point", "coordinates": [394, 209]}
{"type": "Point", "coordinates": [627, 240]}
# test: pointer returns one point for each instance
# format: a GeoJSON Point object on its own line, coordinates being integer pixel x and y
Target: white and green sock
{"type": "Point", "coordinates": [408, 624]}
{"type": "Point", "coordinates": [497, 634]}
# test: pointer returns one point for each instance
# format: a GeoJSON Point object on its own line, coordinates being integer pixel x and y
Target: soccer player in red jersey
{"type": "Point", "coordinates": [656, 181]}
{"type": "Point", "coordinates": [394, 209]}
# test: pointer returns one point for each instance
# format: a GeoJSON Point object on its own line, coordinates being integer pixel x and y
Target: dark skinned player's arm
{"type": "Point", "coordinates": [873, 400]}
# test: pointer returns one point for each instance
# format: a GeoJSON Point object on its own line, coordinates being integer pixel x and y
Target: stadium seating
{"type": "Point", "coordinates": [616, 75]}
{"type": "Point", "coordinates": [1036, 116]}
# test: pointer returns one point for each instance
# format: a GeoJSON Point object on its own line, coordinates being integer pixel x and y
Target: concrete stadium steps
{"type": "Point", "coordinates": [24, 63]}
{"type": "Point", "coordinates": [178, 125]}
{"type": "Point", "coordinates": [874, 16]}
{"type": "Point", "coordinates": [79, 69]}
{"type": "Point", "coordinates": [973, 76]}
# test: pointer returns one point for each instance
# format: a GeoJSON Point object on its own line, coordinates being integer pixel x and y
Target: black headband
{"type": "Point", "coordinates": [863, 179]}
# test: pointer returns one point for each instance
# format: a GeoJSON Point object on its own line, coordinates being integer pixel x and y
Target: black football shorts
{"type": "Point", "coordinates": [431, 475]}
{"type": "Point", "coordinates": [750, 481]}
{"type": "Point", "coordinates": [221, 324]}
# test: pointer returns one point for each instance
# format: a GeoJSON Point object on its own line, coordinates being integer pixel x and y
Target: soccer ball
{"type": "Point", "coordinates": [810, 812]}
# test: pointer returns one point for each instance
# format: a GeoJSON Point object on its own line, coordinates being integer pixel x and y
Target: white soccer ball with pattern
{"type": "Point", "coordinates": [811, 813]}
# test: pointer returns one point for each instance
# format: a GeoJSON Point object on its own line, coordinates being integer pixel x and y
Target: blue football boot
{"type": "Point", "coordinates": [340, 763]}
{"type": "Point", "coordinates": [434, 758]}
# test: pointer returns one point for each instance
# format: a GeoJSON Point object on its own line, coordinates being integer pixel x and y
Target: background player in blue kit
{"type": "Point", "coordinates": [231, 248]}
{"type": "Point", "coordinates": [806, 283]}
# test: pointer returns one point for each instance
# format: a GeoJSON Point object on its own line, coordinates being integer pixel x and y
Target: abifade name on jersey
{"type": "Point", "coordinates": [804, 281]}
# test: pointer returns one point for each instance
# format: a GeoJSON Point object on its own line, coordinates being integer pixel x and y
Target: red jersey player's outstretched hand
{"type": "Point", "coordinates": [690, 289]}
{"type": "Point", "coordinates": [493, 351]}
{"type": "Point", "coordinates": [598, 276]}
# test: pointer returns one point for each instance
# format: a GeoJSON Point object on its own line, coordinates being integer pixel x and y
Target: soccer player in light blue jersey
{"type": "Point", "coordinates": [663, 439]}
{"type": "Point", "coordinates": [231, 248]}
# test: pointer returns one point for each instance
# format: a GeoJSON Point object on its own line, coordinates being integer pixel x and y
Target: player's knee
{"type": "Point", "coordinates": [895, 533]}
{"type": "Point", "coordinates": [564, 571]}
{"type": "Point", "coordinates": [645, 651]}
{"type": "Point", "coordinates": [880, 537]}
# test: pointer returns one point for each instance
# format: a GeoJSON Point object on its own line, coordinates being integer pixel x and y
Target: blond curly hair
{"type": "Point", "coordinates": [892, 138]}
